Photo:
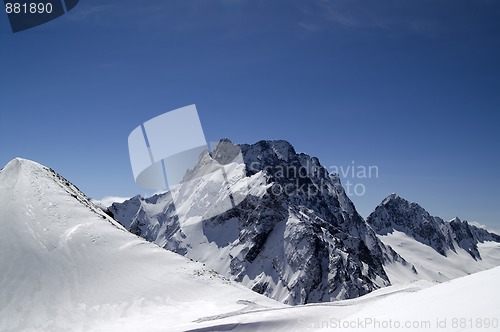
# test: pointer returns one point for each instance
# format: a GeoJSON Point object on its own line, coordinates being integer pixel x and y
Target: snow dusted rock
{"type": "Point", "coordinates": [295, 236]}
{"type": "Point", "coordinates": [398, 214]}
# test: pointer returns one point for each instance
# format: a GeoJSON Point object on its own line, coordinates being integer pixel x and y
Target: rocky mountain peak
{"type": "Point", "coordinates": [296, 237]}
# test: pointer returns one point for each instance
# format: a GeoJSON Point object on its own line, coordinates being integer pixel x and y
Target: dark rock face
{"type": "Point", "coordinates": [296, 237]}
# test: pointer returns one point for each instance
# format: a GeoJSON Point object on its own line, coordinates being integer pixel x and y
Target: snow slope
{"type": "Point", "coordinates": [465, 304]}
{"type": "Point", "coordinates": [432, 266]}
{"type": "Point", "coordinates": [65, 265]}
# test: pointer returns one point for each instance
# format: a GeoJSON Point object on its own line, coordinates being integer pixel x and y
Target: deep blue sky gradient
{"type": "Point", "coordinates": [412, 87]}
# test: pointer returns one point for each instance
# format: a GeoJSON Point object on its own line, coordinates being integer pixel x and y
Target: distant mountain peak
{"type": "Point", "coordinates": [398, 214]}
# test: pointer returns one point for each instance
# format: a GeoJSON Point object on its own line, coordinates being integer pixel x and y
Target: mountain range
{"type": "Point", "coordinates": [67, 264]}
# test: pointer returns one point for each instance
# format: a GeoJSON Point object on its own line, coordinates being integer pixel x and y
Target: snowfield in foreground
{"type": "Point", "coordinates": [465, 304]}
{"type": "Point", "coordinates": [67, 266]}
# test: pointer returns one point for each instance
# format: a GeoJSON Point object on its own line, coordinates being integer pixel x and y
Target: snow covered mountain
{"type": "Point", "coordinates": [296, 237]}
{"type": "Point", "coordinates": [438, 250]}
{"type": "Point", "coordinates": [397, 214]}
{"type": "Point", "coordinates": [67, 266]}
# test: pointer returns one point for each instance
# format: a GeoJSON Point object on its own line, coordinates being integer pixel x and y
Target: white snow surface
{"type": "Point", "coordinates": [464, 304]}
{"type": "Point", "coordinates": [432, 266]}
{"type": "Point", "coordinates": [66, 266]}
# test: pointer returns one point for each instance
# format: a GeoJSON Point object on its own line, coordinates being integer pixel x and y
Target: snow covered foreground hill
{"type": "Point", "coordinates": [307, 243]}
{"type": "Point", "coordinates": [67, 266]}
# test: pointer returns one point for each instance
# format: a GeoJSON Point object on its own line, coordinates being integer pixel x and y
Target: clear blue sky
{"type": "Point", "coordinates": [412, 87]}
